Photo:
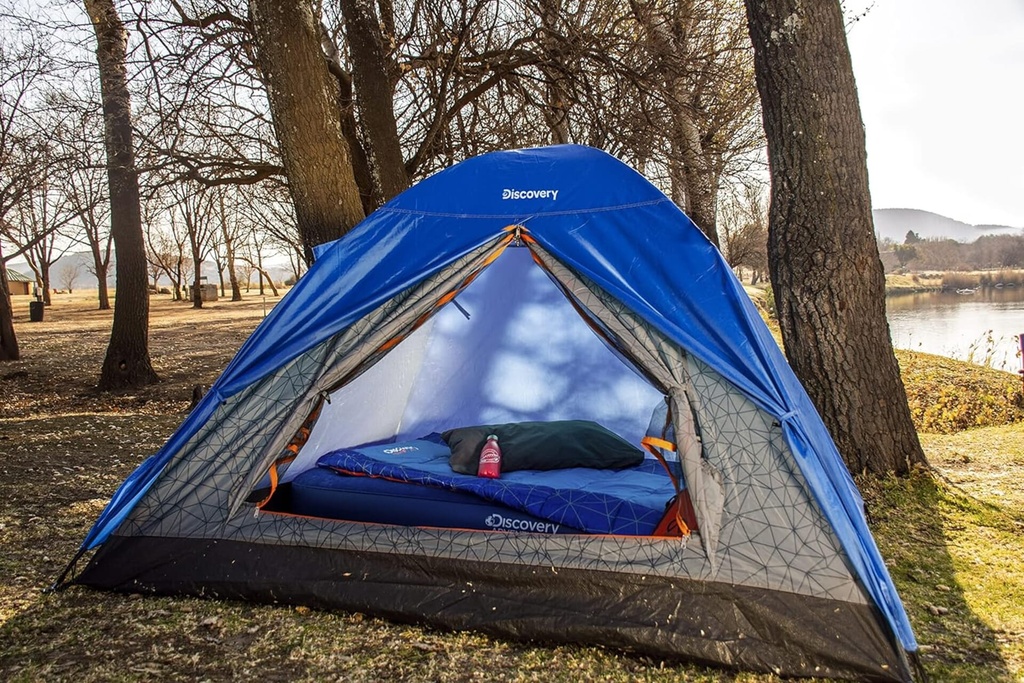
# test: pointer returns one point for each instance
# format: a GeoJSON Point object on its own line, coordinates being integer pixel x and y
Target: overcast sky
{"type": "Point", "coordinates": [941, 86]}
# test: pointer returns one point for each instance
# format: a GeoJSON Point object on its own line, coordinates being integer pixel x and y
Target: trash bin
{"type": "Point", "coordinates": [35, 311]}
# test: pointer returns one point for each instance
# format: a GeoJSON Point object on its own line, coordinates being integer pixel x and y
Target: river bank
{"type": "Point", "coordinates": [912, 283]}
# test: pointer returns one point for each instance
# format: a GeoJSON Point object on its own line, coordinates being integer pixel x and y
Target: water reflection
{"type": "Point", "coordinates": [982, 327]}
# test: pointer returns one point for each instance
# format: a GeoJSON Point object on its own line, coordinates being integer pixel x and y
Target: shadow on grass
{"type": "Point", "coordinates": [933, 536]}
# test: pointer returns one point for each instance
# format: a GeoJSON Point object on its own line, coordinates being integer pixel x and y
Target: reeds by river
{"type": "Point", "coordinates": [970, 281]}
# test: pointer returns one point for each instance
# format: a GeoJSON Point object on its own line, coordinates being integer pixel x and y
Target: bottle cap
{"type": "Point", "coordinates": [492, 436]}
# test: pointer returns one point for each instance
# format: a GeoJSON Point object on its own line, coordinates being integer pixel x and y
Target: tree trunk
{"type": "Point", "coordinates": [556, 104]}
{"type": "Point", "coordinates": [44, 271]}
{"type": "Point", "coordinates": [264, 275]}
{"type": "Point", "coordinates": [694, 176]}
{"type": "Point", "coordinates": [270, 281]}
{"type": "Point", "coordinates": [8, 339]}
{"type": "Point", "coordinates": [127, 361]}
{"type": "Point", "coordinates": [305, 109]}
{"type": "Point", "coordinates": [375, 96]}
{"type": "Point", "coordinates": [368, 191]}
{"type": "Point", "coordinates": [236, 291]}
{"type": "Point", "coordinates": [825, 269]}
{"type": "Point", "coordinates": [179, 278]}
{"type": "Point", "coordinates": [229, 254]}
{"type": "Point", "coordinates": [99, 267]}
{"type": "Point", "coordinates": [220, 277]}
{"type": "Point", "coordinates": [197, 284]}
{"type": "Point", "coordinates": [101, 287]}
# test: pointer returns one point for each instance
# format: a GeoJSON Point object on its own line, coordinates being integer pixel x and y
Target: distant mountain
{"type": "Point", "coordinates": [895, 223]}
{"type": "Point", "coordinates": [81, 264]}
{"type": "Point", "coordinates": [78, 262]}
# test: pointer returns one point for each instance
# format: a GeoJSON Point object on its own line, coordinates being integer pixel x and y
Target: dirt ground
{"type": "Point", "coordinates": [62, 355]}
{"type": "Point", "coordinates": [64, 449]}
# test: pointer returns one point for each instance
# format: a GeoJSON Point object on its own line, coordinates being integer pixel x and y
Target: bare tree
{"type": "Point", "coordinates": [127, 361]}
{"type": "Point", "coordinates": [68, 275]}
{"type": "Point", "coordinates": [165, 248]}
{"type": "Point", "coordinates": [40, 216]}
{"type": "Point", "coordinates": [23, 65]}
{"type": "Point", "coordinates": [265, 210]}
{"type": "Point", "coordinates": [377, 94]}
{"type": "Point", "coordinates": [252, 256]}
{"type": "Point", "coordinates": [229, 234]}
{"type": "Point", "coordinates": [826, 272]}
{"type": "Point", "coordinates": [743, 226]}
{"type": "Point", "coordinates": [94, 214]}
{"type": "Point", "coordinates": [196, 208]}
{"type": "Point", "coordinates": [82, 182]}
{"type": "Point", "coordinates": [701, 77]}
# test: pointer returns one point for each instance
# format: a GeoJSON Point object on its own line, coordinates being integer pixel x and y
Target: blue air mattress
{"type": "Point", "coordinates": [322, 492]}
{"type": "Point", "coordinates": [629, 502]}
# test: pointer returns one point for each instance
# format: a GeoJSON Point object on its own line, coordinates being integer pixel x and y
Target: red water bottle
{"type": "Point", "coordinates": [490, 459]}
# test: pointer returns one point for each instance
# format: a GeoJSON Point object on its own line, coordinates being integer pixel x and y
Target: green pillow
{"type": "Point", "coordinates": [543, 446]}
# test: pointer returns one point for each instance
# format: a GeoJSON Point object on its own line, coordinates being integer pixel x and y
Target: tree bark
{"type": "Point", "coordinates": [826, 273]}
{"type": "Point", "coordinates": [127, 361]}
{"type": "Point", "coordinates": [305, 109]}
{"type": "Point", "coordinates": [8, 339]}
{"type": "Point", "coordinates": [100, 262]}
{"type": "Point", "coordinates": [369, 191]}
{"type": "Point", "coordinates": [197, 285]}
{"type": "Point", "coordinates": [556, 105]}
{"type": "Point", "coordinates": [44, 273]}
{"type": "Point", "coordinates": [375, 96]}
{"type": "Point", "coordinates": [694, 178]}
{"type": "Point", "coordinates": [102, 295]}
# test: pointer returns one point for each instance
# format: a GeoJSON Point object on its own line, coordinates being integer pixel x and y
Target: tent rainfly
{"type": "Point", "coordinates": [533, 285]}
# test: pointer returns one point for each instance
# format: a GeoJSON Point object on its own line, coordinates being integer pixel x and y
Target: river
{"type": "Point", "coordinates": [982, 327]}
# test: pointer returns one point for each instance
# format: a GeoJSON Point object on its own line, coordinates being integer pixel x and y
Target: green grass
{"type": "Point", "coordinates": [955, 558]}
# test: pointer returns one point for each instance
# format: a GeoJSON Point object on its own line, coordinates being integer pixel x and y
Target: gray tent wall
{"type": "Point", "coordinates": [764, 585]}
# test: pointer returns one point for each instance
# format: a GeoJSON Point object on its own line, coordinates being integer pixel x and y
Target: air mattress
{"type": "Point", "coordinates": [629, 502]}
{"type": "Point", "coordinates": [322, 492]}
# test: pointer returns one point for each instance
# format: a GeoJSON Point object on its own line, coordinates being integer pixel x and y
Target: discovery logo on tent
{"type": "Point", "coordinates": [530, 194]}
{"type": "Point", "coordinates": [498, 522]}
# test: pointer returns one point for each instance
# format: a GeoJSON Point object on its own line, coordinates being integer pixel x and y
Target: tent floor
{"type": "Point", "coordinates": [711, 623]}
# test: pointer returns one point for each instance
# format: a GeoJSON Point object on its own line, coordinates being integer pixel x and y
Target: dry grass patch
{"type": "Point", "coordinates": [947, 396]}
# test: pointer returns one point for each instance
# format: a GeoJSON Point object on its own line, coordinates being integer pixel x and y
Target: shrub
{"type": "Point", "coordinates": [960, 280]}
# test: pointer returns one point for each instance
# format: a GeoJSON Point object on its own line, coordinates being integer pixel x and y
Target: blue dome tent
{"type": "Point", "coordinates": [531, 285]}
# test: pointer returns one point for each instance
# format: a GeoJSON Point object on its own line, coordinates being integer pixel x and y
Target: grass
{"type": "Point", "coordinates": [951, 535]}
{"type": "Point", "coordinates": [897, 283]}
{"type": "Point", "coordinates": [952, 540]}
{"type": "Point", "coordinates": [948, 396]}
